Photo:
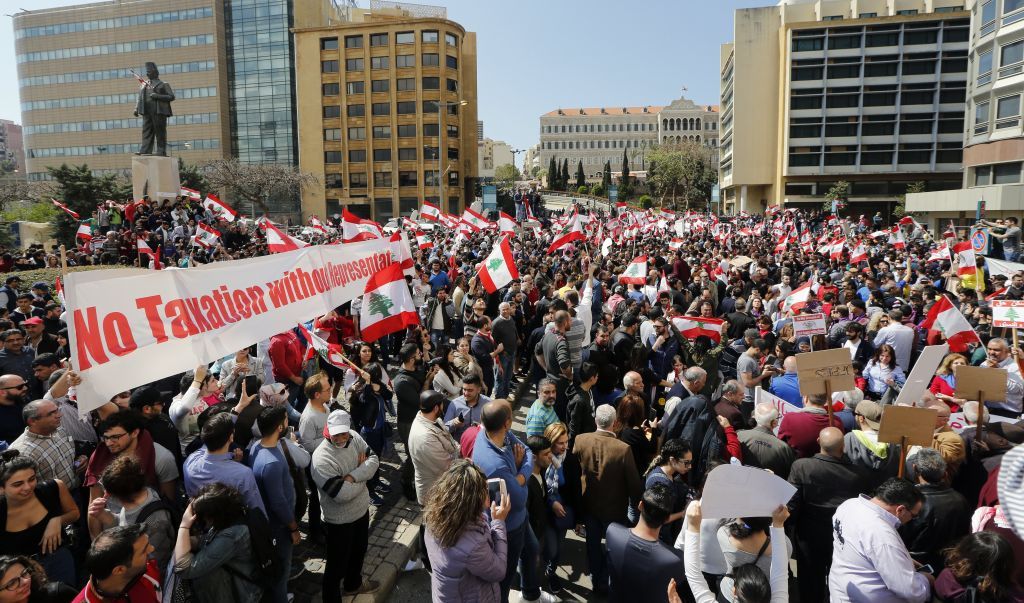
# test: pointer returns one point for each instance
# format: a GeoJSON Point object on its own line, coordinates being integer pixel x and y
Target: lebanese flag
{"type": "Point", "coordinates": [964, 254]}
{"type": "Point", "coordinates": [387, 304]}
{"type": "Point", "coordinates": [940, 253]}
{"type": "Point", "coordinates": [145, 249]}
{"type": "Point", "coordinates": [506, 223]}
{"type": "Point", "coordinates": [355, 229]}
{"type": "Point", "coordinates": [317, 225]}
{"type": "Point", "coordinates": [191, 193]}
{"type": "Point", "coordinates": [529, 214]}
{"type": "Point", "coordinates": [423, 241]}
{"type": "Point", "coordinates": [692, 327]}
{"type": "Point", "coordinates": [59, 285]}
{"type": "Point", "coordinates": [945, 318]}
{"type": "Point", "coordinates": [220, 209]}
{"type": "Point", "coordinates": [797, 298]}
{"type": "Point", "coordinates": [780, 247]}
{"type": "Point", "coordinates": [206, 236]}
{"type": "Point", "coordinates": [401, 253]}
{"type": "Point", "coordinates": [949, 233]}
{"type": "Point", "coordinates": [279, 241]}
{"type": "Point", "coordinates": [84, 232]}
{"type": "Point", "coordinates": [498, 269]}
{"type": "Point", "coordinates": [429, 211]}
{"type": "Point", "coordinates": [675, 243]}
{"type": "Point", "coordinates": [636, 272]}
{"type": "Point", "coordinates": [836, 251]}
{"type": "Point", "coordinates": [909, 220]}
{"type": "Point", "coordinates": [66, 209]}
{"type": "Point", "coordinates": [858, 255]}
{"type": "Point", "coordinates": [572, 232]}
{"type": "Point", "coordinates": [475, 220]}
{"type": "Point", "coordinates": [330, 353]}
{"type": "Point", "coordinates": [996, 294]}
{"type": "Point", "coordinates": [896, 238]}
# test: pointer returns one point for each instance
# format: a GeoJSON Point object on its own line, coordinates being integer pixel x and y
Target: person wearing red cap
{"type": "Point", "coordinates": [37, 338]}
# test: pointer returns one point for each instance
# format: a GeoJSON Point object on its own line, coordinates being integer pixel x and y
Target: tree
{"type": "Point", "coordinates": [78, 189]}
{"type": "Point", "coordinates": [553, 174]}
{"type": "Point", "coordinates": [606, 177]}
{"type": "Point", "coordinates": [624, 184]}
{"type": "Point", "coordinates": [839, 193]}
{"type": "Point", "coordinates": [31, 211]}
{"type": "Point", "coordinates": [535, 171]}
{"type": "Point", "coordinates": [506, 173]}
{"type": "Point", "coordinates": [685, 171]}
{"type": "Point", "coordinates": [192, 177]}
{"type": "Point", "coordinates": [255, 183]}
{"type": "Point", "coordinates": [581, 178]}
{"type": "Point", "coordinates": [901, 206]}
{"type": "Point", "coordinates": [563, 178]}
{"type": "Point", "coordinates": [598, 190]}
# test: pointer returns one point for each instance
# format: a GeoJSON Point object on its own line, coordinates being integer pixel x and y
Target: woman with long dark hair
{"type": "Point", "coordinates": [882, 372]}
{"type": "Point", "coordinates": [448, 381]}
{"type": "Point", "coordinates": [670, 467]}
{"type": "Point", "coordinates": [979, 569]}
{"type": "Point", "coordinates": [371, 403]}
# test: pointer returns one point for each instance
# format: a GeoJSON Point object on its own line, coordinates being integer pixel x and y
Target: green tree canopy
{"type": "Point", "coordinates": [77, 188]}
{"type": "Point", "coordinates": [505, 173]}
{"type": "Point", "coordinates": [685, 174]}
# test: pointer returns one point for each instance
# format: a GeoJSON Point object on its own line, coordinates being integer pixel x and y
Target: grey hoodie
{"type": "Point", "coordinates": [342, 501]}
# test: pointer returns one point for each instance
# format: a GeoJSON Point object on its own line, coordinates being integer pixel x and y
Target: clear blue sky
{"type": "Point", "coordinates": [539, 55]}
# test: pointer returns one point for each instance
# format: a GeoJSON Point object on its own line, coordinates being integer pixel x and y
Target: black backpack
{"type": "Point", "coordinates": [263, 545]}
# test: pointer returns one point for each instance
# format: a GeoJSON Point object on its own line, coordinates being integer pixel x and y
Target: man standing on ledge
{"type": "Point", "coordinates": [154, 107]}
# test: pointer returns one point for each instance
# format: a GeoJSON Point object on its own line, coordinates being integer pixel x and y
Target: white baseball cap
{"type": "Point", "coordinates": [338, 422]}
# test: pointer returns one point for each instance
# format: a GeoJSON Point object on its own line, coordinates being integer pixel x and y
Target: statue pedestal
{"type": "Point", "coordinates": [155, 176]}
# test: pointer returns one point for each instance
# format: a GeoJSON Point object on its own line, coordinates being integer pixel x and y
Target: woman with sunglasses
{"type": "Point", "coordinates": [24, 581]}
{"type": "Point", "coordinates": [33, 515]}
{"type": "Point", "coordinates": [670, 468]}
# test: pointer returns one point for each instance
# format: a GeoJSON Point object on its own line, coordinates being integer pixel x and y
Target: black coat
{"type": "Point", "coordinates": [822, 484]}
{"type": "Point", "coordinates": [694, 420]}
{"type": "Point", "coordinates": [945, 517]}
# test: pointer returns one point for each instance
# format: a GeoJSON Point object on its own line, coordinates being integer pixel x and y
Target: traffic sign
{"type": "Point", "coordinates": [979, 240]}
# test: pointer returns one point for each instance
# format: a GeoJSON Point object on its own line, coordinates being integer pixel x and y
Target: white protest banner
{"type": "Point", "coordinates": [1007, 269]}
{"type": "Point", "coordinates": [958, 423]}
{"type": "Point", "coordinates": [921, 375]}
{"type": "Point", "coordinates": [132, 327]}
{"type": "Point", "coordinates": [738, 491]}
{"type": "Point", "coordinates": [781, 405]}
{"type": "Point", "coordinates": [809, 324]}
{"type": "Point", "coordinates": [1008, 313]}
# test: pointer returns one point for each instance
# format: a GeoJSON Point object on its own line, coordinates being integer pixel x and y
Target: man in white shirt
{"type": "Point", "coordinates": [869, 560]}
{"type": "Point", "coordinates": [899, 336]}
{"type": "Point", "coordinates": [999, 356]}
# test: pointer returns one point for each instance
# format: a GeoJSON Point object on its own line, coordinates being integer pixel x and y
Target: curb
{"type": "Point", "coordinates": [400, 553]}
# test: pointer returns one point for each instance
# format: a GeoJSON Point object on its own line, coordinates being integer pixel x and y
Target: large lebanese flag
{"type": "Point", "coordinates": [401, 253]}
{"type": "Point", "coordinates": [329, 352]}
{"type": "Point", "coordinates": [429, 211]}
{"type": "Point", "coordinates": [964, 254]}
{"type": "Point", "coordinates": [423, 241]}
{"type": "Point", "coordinates": [636, 272]}
{"type": "Point", "coordinates": [387, 305]}
{"type": "Point", "coordinates": [279, 241]}
{"type": "Point", "coordinates": [797, 298]}
{"type": "Point", "coordinates": [206, 236]}
{"type": "Point", "coordinates": [573, 231]}
{"type": "Point", "coordinates": [860, 254]}
{"type": "Point", "coordinates": [836, 251]}
{"type": "Point", "coordinates": [945, 318]}
{"type": "Point", "coordinates": [691, 327]}
{"type": "Point", "coordinates": [940, 253]}
{"type": "Point", "coordinates": [506, 223]}
{"type": "Point", "coordinates": [475, 220]}
{"type": "Point", "coordinates": [896, 238]}
{"type": "Point", "coordinates": [84, 232]}
{"type": "Point", "coordinates": [355, 229]}
{"type": "Point", "coordinates": [498, 269]}
{"type": "Point", "coordinates": [219, 208]}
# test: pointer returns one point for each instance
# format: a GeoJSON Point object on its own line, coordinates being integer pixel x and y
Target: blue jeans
{"type": "Point", "coordinates": [502, 374]}
{"type": "Point", "coordinates": [284, 546]}
{"type": "Point", "coordinates": [552, 547]}
{"type": "Point", "coordinates": [530, 582]}
{"type": "Point", "coordinates": [516, 541]}
{"type": "Point", "coordinates": [438, 337]}
{"type": "Point", "coordinates": [596, 556]}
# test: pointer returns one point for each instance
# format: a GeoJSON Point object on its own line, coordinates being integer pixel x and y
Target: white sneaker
{"type": "Point", "coordinates": [545, 597]}
{"type": "Point", "coordinates": [412, 565]}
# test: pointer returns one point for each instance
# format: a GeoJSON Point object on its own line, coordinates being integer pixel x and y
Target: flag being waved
{"type": "Point", "coordinates": [387, 305]}
{"type": "Point", "coordinates": [221, 210]}
{"type": "Point", "coordinates": [429, 211]}
{"type": "Point", "coordinates": [636, 272]}
{"type": "Point", "coordinates": [355, 229]}
{"type": "Point", "coordinates": [330, 353]}
{"type": "Point", "coordinates": [191, 193]}
{"type": "Point", "coordinates": [84, 232]}
{"type": "Point", "coordinates": [946, 319]}
{"type": "Point", "coordinates": [506, 223]}
{"type": "Point", "coordinates": [573, 231]}
{"type": "Point", "coordinates": [279, 241]}
{"type": "Point", "coordinates": [206, 236]}
{"type": "Point", "coordinates": [66, 209]}
{"type": "Point", "coordinates": [691, 327]}
{"type": "Point", "coordinates": [499, 268]}
{"type": "Point", "coordinates": [965, 259]}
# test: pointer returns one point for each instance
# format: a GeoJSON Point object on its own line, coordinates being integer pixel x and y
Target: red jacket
{"type": "Point", "coordinates": [286, 356]}
{"type": "Point", "coordinates": [800, 430]}
{"type": "Point", "coordinates": [145, 589]}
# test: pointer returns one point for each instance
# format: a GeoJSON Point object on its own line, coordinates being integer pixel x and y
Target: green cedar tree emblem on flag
{"type": "Point", "coordinates": [1011, 314]}
{"type": "Point", "coordinates": [494, 264]}
{"type": "Point", "coordinates": [380, 304]}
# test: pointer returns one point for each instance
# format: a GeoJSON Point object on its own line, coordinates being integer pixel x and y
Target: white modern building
{"type": "Point", "coordinates": [491, 154]}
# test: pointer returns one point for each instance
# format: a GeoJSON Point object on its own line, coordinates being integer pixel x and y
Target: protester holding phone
{"type": "Point", "coordinates": [241, 365]}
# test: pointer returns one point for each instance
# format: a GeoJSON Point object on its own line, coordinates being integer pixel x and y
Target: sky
{"type": "Point", "coordinates": [536, 56]}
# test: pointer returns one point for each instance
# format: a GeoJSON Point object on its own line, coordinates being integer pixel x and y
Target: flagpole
{"type": "Point", "coordinates": [67, 292]}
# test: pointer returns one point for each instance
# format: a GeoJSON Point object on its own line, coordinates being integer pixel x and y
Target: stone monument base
{"type": "Point", "coordinates": [155, 176]}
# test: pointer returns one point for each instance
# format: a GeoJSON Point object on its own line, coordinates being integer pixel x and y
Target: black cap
{"type": "Point", "coordinates": [430, 399]}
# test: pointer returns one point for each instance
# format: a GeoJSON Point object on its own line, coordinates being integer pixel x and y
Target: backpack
{"type": "Point", "coordinates": [156, 506]}
{"type": "Point", "coordinates": [263, 546]}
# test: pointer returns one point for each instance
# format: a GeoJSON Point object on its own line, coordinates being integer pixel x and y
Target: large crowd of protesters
{"type": "Point", "coordinates": [198, 487]}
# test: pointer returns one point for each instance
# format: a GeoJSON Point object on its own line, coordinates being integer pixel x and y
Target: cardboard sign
{"type": "Point", "coordinates": [990, 382]}
{"type": "Point", "coordinates": [833, 366]}
{"type": "Point", "coordinates": [809, 324]}
{"type": "Point", "coordinates": [1008, 313]}
{"type": "Point", "coordinates": [922, 374]}
{"type": "Point", "coordinates": [915, 424]}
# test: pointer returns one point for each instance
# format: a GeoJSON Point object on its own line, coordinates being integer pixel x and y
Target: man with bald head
{"type": "Point", "coordinates": [12, 398]}
{"type": "Point", "coordinates": [823, 482]}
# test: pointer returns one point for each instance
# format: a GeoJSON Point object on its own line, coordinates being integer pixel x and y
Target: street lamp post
{"type": "Point", "coordinates": [514, 153]}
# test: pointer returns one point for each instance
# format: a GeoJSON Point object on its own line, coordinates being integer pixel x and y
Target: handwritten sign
{"type": "Point", "coordinates": [1008, 313]}
{"type": "Point", "coordinates": [809, 324]}
{"type": "Point", "coordinates": [814, 369]}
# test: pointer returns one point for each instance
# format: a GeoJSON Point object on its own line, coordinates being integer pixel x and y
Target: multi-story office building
{"type": "Point", "coordinates": [994, 138]}
{"type": "Point", "coordinates": [490, 155]}
{"type": "Point", "coordinates": [531, 159]}
{"type": "Point", "coordinates": [12, 146]}
{"type": "Point", "coordinates": [817, 91]}
{"type": "Point", "coordinates": [598, 135]}
{"type": "Point", "coordinates": [387, 112]}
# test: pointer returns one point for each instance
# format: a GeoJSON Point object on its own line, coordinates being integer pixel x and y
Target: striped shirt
{"type": "Point", "coordinates": [539, 417]}
{"type": "Point", "coordinates": [53, 454]}
{"type": "Point", "coordinates": [1011, 487]}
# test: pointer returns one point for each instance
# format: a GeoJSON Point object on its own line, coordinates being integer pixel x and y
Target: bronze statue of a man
{"type": "Point", "coordinates": [154, 106]}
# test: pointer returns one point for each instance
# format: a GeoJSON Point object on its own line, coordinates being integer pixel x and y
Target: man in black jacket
{"type": "Point", "coordinates": [581, 403]}
{"type": "Point", "coordinates": [945, 516]}
{"type": "Point", "coordinates": [694, 420]}
{"type": "Point", "coordinates": [408, 383]}
{"type": "Point", "coordinates": [437, 314]}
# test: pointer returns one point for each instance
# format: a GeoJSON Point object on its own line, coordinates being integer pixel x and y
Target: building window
{"type": "Point", "coordinates": [357, 179]}
{"type": "Point", "coordinates": [1011, 5]}
{"type": "Point", "coordinates": [984, 67]}
{"type": "Point", "coordinates": [357, 133]}
{"type": "Point", "coordinates": [407, 131]}
{"type": "Point", "coordinates": [332, 156]}
{"type": "Point", "coordinates": [379, 62]}
{"type": "Point", "coordinates": [332, 180]}
{"type": "Point", "coordinates": [907, 12]}
{"type": "Point", "coordinates": [407, 178]}
{"type": "Point", "coordinates": [357, 155]}
{"type": "Point", "coordinates": [406, 83]}
{"type": "Point", "coordinates": [453, 153]}
{"type": "Point", "coordinates": [332, 133]}
{"type": "Point", "coordinates": [331, 89]}
{"type": "Point", "coordinates": [405, 60]}
{"type": "Point", "coordinates": [355, 87]}
{"type": "Point", "coordinates": [353, 41]}
{"type": "Point", "coordinates": [405, 37]}
{"type": "Point", "coordinates": [430, 129]}
{"type": "Point", "coordinates": [430, 106]}
{"type": "Point", "coordinates": [453, 109]}
{"type": "Point", "coordinates": [981, 118]}
{"type": "Point", "coordinates": [353, 64]}
{"type": "Point", "coordinates": [451, 62]}
{"type": "Point", "coordinates": [983, 175]}
{"type": "Point", "coordinates": [430, 153]}
{"type": "Point", "coordinates": [451, 40]}
{"type": "Point", "coordinates": [451, 85]}
{"type": "Point", "coordinates": [453, 131]}
{"type": "Point", "coordinates": [406, 154]}
{"type": "Point", "coordinates": [380, 132]}
{"type": "Point", "coordinates": [380, 85]}
{"type": "Point", "coordinates": [382, 154]}
{"type": "Point", "coordinates": [431, 83]}
{"type": "Point", "coordinates": [380, 39]}
{"type": "Point", "coordinates": [431, 59]}
{"type": "Point", "coordinates": [381, 108]}
{"type": "Point", "coordinates": [328, 66]}
{"type": "Point", "coordinates": [405, 107]}
{"type": "Point", "coordinates": [430, 36]}
{"type": "Point", "coordinates": [1011, 58]}
{"type": "Point", "coordinates": [332, 111]}
{"type": "Point", "coordinates": [356, 110]}
{"type": "Point", "coordinates": [1006, 173]}
{"type": "Point", "coordinates": [328, 43]}
{"type": "Point", "coordinates": [1008, 111]}
{"type": "Point", "coordinates": [382, 179]}
{"type": "Point", "coordinates": [430, 178]}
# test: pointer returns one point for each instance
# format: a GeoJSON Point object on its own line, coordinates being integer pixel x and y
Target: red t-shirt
{"type": "Point", "coordinates": [146, 589]}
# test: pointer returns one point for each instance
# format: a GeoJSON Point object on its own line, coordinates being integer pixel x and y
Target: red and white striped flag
{"type": "Point", "coordinates": [947, 319]}
{"type": "Point", "coordinates": [965, 259]}
{"type": "Point", "coordinates": [692, 327]}
{"type": "Point", "coordinates": [401, 253]}
{"type": "Point", "coordinates": [429, 211]}
{"type": "Point", "coordinates": [66, 209]}
{"type": "Point", "coordinates": [145, 249]}
{"type": "Point", "coordinates": [860, 254]}
{"type": "Point", "coordinates": [221, 210]}
{"type": "Point", "coordinates": [355, 229]}
{"type": "Point", "coordinates": [797, 299]}
{"type": "Point", "coordinates": [636, 272]}
{"type": "Point", "coordinates": [896, 238]}
{"type": "Point", "coordinates": [506, 223]}
{"type": "Point", "coordinates": [499, 268]}
{"type": "Point", "coordinates": [206, 236]}
{"type": "Point", "coordinates": [191, 193]}
{"type": "Point", "coordinates": [84, 232]}
{"type": "Point", "coordinates": [572, 231]}
{"type": "Point", "coordinates": [423, 241]}
{"type": "Point", "coordinates": [387, 304]}
{"type": "Point", "coordinates": [940, 253]}
{"type": "Point", "coordinates": [331, 353]}
{"type": "Point", "coordinates": [279, 241]}
{"type": "Point", "coordinates": [475, 220]}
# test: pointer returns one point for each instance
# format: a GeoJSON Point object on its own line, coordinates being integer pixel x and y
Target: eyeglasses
{"type": "Point", "coordinates": [686, 463]}
{"type": "Point", "coordinates": [15, 583]}
{"type": "Point", "coordinates": [19, 386]}
{"type": "Point", "coordinates": [113, 437]}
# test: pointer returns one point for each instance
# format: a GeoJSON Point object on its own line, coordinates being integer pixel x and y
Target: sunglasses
{"type": "Point", "coordinates": [21, 386]}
